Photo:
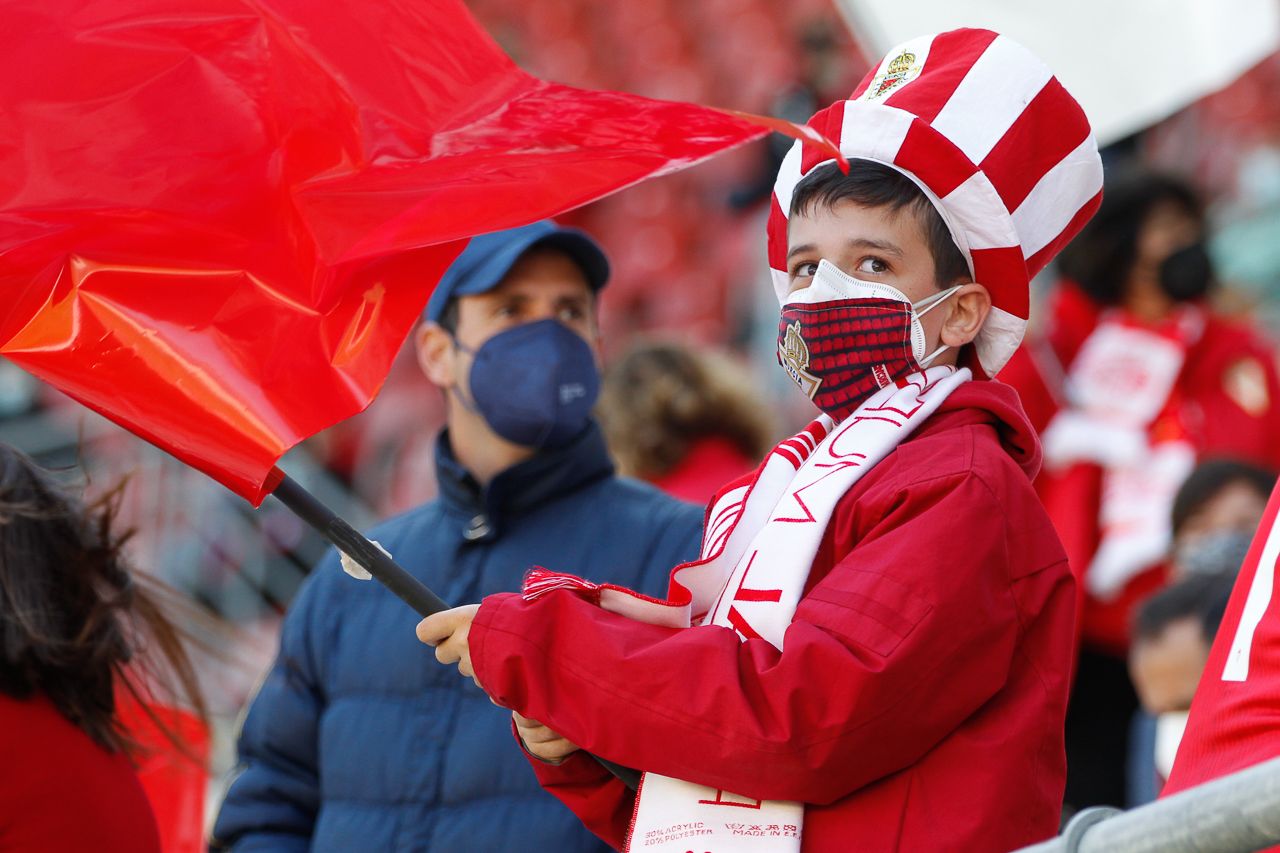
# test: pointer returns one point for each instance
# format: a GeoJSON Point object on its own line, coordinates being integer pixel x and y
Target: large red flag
{"type": "Point", "coordinates": [1235, 716]}
{"type": "Point", "coordinates": [220, 218]}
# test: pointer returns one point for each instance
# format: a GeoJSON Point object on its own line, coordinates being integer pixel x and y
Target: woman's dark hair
{"type": "Point", "coordinates": [1212, 476]}
{"type": "Point", "coordinates": [1102, 255]}
{"type": "Point", "coordinates": [72, 616]}
{"type": "Point", "coordinates": [659, 398]}
{"type": "Point", "coordinates": [875, 185]}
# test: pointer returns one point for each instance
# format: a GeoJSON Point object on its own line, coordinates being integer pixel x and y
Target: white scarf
{"type": "Point", "coordinates": [757, 551]}
{"type": "Point", "coordinates": [1119, 384]}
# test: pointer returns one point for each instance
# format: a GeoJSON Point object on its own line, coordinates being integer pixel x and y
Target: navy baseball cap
{"type": "Point", "coordinates": [489, 257]}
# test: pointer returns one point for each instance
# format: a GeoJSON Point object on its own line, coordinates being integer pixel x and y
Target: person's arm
{"type": "Point", "coordinates": [272, 803]}
{"type": "Point", "coordinates": [602, 802]}
{"type": "Point", "coordinates": [908, 635]}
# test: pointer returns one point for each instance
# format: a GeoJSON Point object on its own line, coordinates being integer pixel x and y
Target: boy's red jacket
{"type": "Point", "coordinates": [919, 703]}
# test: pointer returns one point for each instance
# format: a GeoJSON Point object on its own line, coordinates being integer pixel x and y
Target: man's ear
{"type": "Point", "coordinates": [597, 344]}
{"type": "Point", "coordinates": [969, 309]}
{"type": "Point", "coordinates": [435, 353]}
{"type": "Point", "coordinates": [597, 337]}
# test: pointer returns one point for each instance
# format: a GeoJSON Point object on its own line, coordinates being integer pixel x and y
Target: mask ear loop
{"type": "Point", "coordinates": [933, 302]}
{"type": "Point", "coordinates": [468, 404]}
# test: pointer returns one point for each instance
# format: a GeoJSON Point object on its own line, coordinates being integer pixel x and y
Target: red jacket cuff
{"type": "Point", "coordinates": [486, 617]}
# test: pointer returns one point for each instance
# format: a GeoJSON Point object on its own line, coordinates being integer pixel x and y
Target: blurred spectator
{"type": "Point", "coordinates": [1215, 515]}
{"type": "Point", "coordinates": [76, 624]}
{"type": "Point", "coordinates": [1172, 635]}
{"type": "Point", "coordinates": [358, 739]}
{"type": "Point", "coordinates": [687, 421]}
{"type": "Point", "coordinates": [1136, 379]}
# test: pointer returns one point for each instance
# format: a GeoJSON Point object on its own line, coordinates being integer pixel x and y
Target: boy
{"type": "Point", "coordinates": [884, 613]}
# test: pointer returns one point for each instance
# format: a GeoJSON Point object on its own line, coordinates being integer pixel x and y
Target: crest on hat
{"type": "Point", "coordinates": [902, 68]}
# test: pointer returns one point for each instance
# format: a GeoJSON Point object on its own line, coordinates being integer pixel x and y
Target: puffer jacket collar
{"type": "Point", "coordinates": [545, 476]}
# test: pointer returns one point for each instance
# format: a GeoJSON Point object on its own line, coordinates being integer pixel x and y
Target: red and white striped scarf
{"type": "Point", "coordinates": [757, 552]}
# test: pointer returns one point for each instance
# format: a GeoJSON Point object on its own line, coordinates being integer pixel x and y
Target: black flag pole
{"type": "Point", "coordinates": [387, 571]}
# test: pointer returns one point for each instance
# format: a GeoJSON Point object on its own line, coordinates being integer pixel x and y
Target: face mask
{"type": "Point", "coordinates": [534, 385]}
{"type": "Point", "coordinates": [1187, 274]}
{"type": "Point", "coordinates": [841, 339]}
{"type": "Point", "coordinates": [1214, 553]}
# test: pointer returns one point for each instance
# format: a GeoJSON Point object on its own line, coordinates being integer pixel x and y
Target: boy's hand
{"type": "Point", "coordinates": [541, 742]}
{"type": "Point", "coordinates": [448, 631]}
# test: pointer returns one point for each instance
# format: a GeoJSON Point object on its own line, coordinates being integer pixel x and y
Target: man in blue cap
{"type": "Point", "coordinates": [356, 740]}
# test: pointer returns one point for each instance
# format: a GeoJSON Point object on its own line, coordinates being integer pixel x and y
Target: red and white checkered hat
{"type": "Point", "coordinates": [1005, 154]}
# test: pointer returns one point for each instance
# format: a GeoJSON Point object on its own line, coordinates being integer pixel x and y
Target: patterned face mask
{"type": "Point", "coordinates": [841, 339]}
{"type": "Point", "coordinates": [1214, 553]}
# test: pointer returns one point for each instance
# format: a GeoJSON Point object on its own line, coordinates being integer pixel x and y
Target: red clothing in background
{"type": "Point", "coordinates": [175, 784]}
{"type": "Point", "coordinates": [1229, 389]}
{"type": "Point", "coordinates": [919, 702]}
{"type": "Point", "coordinates": [62, 793]}
{"type": "Point", "coordinates": [710, 463]}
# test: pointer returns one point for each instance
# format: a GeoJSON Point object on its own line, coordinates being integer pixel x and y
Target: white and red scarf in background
{"type": "Point", "coordinates": [757, 551]}
{"type": "Point", "coordinates": [1124, 415]}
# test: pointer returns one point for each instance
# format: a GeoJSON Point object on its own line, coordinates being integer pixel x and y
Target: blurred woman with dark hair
{"type": "Point", "coordinates": [1136, 379]}
{"type": "Point", "coordinates": [78, 632]}
{"type": "Point", "coordinates": [686, 421]}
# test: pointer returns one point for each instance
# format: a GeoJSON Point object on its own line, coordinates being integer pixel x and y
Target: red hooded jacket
{"type": "Point", "coordinates": [919, 702]}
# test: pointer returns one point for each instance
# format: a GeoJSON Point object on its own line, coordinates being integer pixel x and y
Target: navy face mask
{"type": "Point", "coordinates": [534, 384]}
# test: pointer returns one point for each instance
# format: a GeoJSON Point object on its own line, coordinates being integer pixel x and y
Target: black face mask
{"type": "Point", "coordinates": [1187, 274]}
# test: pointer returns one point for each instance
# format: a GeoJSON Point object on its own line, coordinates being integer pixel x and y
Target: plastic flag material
{"type": "Point", "coordinates": [220, 218]}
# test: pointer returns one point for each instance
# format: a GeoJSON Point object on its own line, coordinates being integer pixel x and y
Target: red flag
{"type": "Point", "coordinates": [1235, 716]}
{"type": "Point", "coordinates": [221, 217]}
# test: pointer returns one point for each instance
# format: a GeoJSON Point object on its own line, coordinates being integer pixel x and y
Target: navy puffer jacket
{"type": "Point", "coordinates": [358, 740]}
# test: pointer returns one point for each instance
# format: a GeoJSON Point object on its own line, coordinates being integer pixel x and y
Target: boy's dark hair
{"type": "Point", "coordinates": [1101, 257]}
{"type": "Point", "coordinates": [1212, 476]}
{"type": "Point", "coordinates": [1202, 597]}
{"type": "Point", "coordinates": [872, 184]}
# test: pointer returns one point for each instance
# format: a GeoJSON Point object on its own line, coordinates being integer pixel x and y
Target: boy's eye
{"type": "Point", "coordinates": [805, 270]}
{"type": "Point", "coordinates": [872, 265]}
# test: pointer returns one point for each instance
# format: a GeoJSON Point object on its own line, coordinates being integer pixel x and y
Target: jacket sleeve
{"type": "Point", "coordinates": [600, 801]}
{"type": "Point", "coordinates": [908, 635]}
{"type": "Point", "coordinates": [273, 801]}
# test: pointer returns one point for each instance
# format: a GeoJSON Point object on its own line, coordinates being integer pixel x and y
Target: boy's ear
{"type": "Point", "coordinates": [435, 353]}
{"type": "Point", "coordinates": [969, 309]}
